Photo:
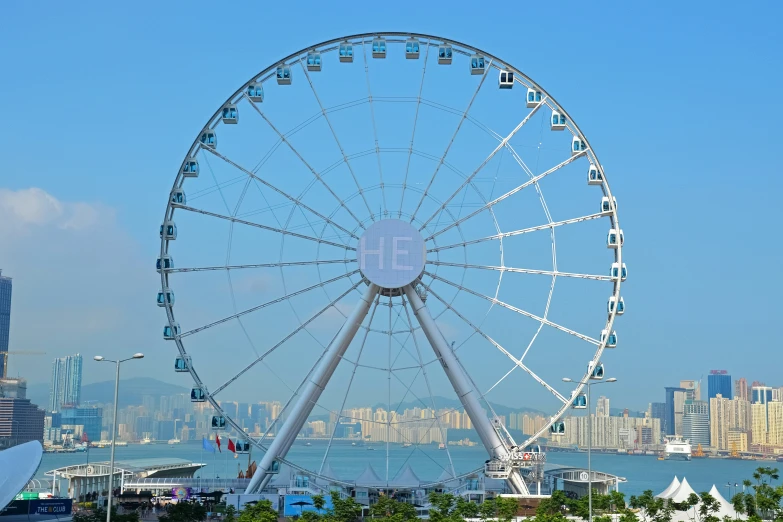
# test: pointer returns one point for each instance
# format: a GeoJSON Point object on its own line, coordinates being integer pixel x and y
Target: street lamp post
{"type": "Point", "coordinates": [589, 384]}
{"type": "Point", "coordinates": [114, 423]}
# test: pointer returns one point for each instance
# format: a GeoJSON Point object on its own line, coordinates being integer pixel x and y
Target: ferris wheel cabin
{"type": "Point", "coordinates": [379, 48]}
{"type": "Point", "coordinates": [597, 373]}
{"type": "Point", "coordinates": [255, 92]}
{"type": "Point", "coordinates": [505, 79]}
{"type": "Point", "coordinates": [170, 332]}
{"type": "Point", "coordinates": [594, 176]}
{"type": "Point", "coordinates": [533, 98]}
{"type": "Point", "coordinates": [197, 395]}
{"type": "Point", "coordinates": [168, 230]}
{"type": "Point", "coordinates": [244, 448]}
{"type": "Point", "coordinates": [283, 74]}
{"type": "Point", "coordinates": [218, 422]}
{"type": "Point", "coordinates": [182, 364]}
{"type": "Point", "coordinates": [610, 338]}
{"type": "Point", "coordinates": [557, 428]}
{"type": "Point", "coordinates": [558, 121]}
{"type": "Point", "coordinates": [445, 53]}
{"type": "Point", "coordinates": [345, 52]}
{"type": "Point", "coordinates": [477, 64]}
{"type": "Point", "coordinates": [190, 168]}
{"type": "Point", "coordinates": [620, 305]}
{"type": "Point", "coordinates": [313, 61]}
{"type": "Point", "coordinates": [412, 49]}
{"type": "Point", "coordinates": [606, 206]}
{"type": "Point", "coordinates": [616, 272]}
{"type": "Point", "coordinates": [165, 262]}
{"type": "Point", "coordinates": [165, 297]}
{"type": "Point", "coordinates": [580, 402]}
{"type": "Point", "coordinates": [614, 238]}
{"type": "Point", "coordinates": [230, 114]}
{"type": "Point", "coordinates": [178, 198]}
{"type": "Point", "coordinates": [578, 146]}
{"type": "Point", "coordinates": [209, 139]}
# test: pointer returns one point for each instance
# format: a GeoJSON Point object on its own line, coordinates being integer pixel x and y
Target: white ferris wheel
{"type": "Point", "coordinates": [372, 235]}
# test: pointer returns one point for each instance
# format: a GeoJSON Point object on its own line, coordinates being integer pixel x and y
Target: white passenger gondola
{"type": "Point", "coordinates": [190, 168]}
{"type": "Point", "coordinates": [614, 238]}
{"type": "Point", "coordinates": [594, 176]}
{"type": "Point", "coordinates": [170, 332]}
{"type": "Point", "coordinates": [534, 97]}
{"type": "Point", "coordinates": [209, 138]}
{"type": "Point", "coordinates": [197, 395]}
{"type": "Point", "coordinates": [177, 198]}
{"type": "Point", "coordinates": [243, 447]}
{"type": "Point", "coordinates": [557, 428]}
{"type": "Point", "coordinates": [182, 364]}
{"type": "Point", "coordinates": [346, 52]}
{"type": "Point", "coordinates": [580, 402]}
{"type": "Point", "coordinates": [578, 146]}
{"type": "Point", "coordinates": [283, 74]}
{"type": "Point", "coordinates": [313, 61]}
{"type": "Point", "coordinates": [607, 206]}
{"type": "Point", "coordinates": [620, 305]}
{"type": "Point", "coordinates": [610, 338]}
{"type": "Point", "coordinates": [230, 114]}
{"type": "Point", "coordinates": [412, 49]}
{"type": "Point", "coordinates": [445, 53]}
{"type": "Point", "coordinates": [165, 262]}
{"type": "Point", "coordinates": [378, 48]}
{"type": "Point", "coordinates": [255, 91]}
{"type": "Point", "coordinates": [218, 422]}
{"type": "Point", "coordinates": [168, 230]}
{"type": "Point", "coordinates": [165, 297]}
{"type": "Point", "coordinates": [558, 121]}
{"type": "Point", "coordinates": [597, 373]}
{"type": "Point", "coordinates": [505, 79]}
{"type": "Point", "coordinates": [274, 467]}
{"type": "Point", "coordinates": [477, 64]}
{"type": "Point", "coordinates": [616, 272]}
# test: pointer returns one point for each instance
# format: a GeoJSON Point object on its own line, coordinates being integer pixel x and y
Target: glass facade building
{"type": "Point", "coordinates": [719, 382]}
{"type": "Point", "coordinates": [66, 386]}
{"type": "Point", "coordinates": [696, 422]}
{"type": "Point", "coordinates": [5, 317]}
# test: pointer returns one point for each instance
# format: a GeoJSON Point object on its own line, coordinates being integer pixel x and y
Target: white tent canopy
{"type": "Point", "coordinates": [682, 493]}
{"type": "Point", "coordinates": [670, 489]}
{"type": "Point", "coordinates": [726, 509]}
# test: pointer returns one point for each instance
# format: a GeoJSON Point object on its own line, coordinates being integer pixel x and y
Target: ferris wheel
{"type": "Point", "coordinates": [372, 235]}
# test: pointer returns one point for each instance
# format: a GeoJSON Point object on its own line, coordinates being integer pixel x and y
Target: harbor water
{"type": "Point", "coordinates": [641, 472]}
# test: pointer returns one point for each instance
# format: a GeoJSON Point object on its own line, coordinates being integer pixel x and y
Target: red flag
{"type": "Point", "coordinates": [231, 447]}
{"type": "Point", "coordinates": [217, 440]}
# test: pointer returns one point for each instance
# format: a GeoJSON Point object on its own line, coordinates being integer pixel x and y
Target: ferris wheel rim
{"type": "Point", "coordinates": [431, 41]}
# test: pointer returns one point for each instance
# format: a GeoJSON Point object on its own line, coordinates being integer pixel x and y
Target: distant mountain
{"type": "Point", "coordinates": [446, 403]}
{"type": "Point", "coordinates": [131, 391]}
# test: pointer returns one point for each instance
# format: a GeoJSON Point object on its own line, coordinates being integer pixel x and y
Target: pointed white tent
{"type": "Point", "coordinates": [370, 478]}
{"type": "Point", "coordinates": [326, 474]}
{"type": "Point", "coordinates": [726, 509]}
{"type": "Point", "coordinates": [406, 478]}
{"type": "Point", "coordinates": [671, 488]}
{"type": "Point", "coordinates": [682, 493]}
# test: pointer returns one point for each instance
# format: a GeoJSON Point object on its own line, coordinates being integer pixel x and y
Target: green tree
{"type": "Point", "coordinates": [393, 510]}
{"type": "Point", "coordinates": [343, 509]}
{"type": "Point", "coordinates": [466, 509]}
{"type": "Point", "coordinates": [487, 509]}
{"type": "Point", "coordinates": [99, 515]}
{"type": "Point", "coordinates": [652, 509]}
{"type": "Point", "coordinates": [319, 502]}
{"type": "Point", "coordinates": [443, 507]}
{"type": "Point", "coordinates": [230, 514]}
{"type": "Point", "coordinates": [507, 508]}
{"type": "Point", "coordinates": [260, 511]}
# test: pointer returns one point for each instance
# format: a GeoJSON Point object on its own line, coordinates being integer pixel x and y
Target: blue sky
{"type": "Point", "coordinates": [679, 100]}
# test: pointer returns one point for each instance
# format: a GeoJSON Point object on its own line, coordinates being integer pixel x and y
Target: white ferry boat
{"type": "Point", "coordinates": [678, 449]}
{"type": "Point", "coordinates": [173, 442]}
{"type": "Point", "coordinates": [145, 440]}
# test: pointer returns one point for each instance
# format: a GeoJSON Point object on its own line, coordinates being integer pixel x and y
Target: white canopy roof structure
{"type": "Point", "coordinates": [406, 478]}
{"type": "Point", "coordinates": [17, 466]}
{"type": "Point", "coordinates": [322, 480]}
{"type": "Point", "coordinates": [670, 489]}
{"type": "Point", "coordinates": [682, 493]}
{"type": "Point", "coordinates": [726, 509]}
{"type": "Point", "coordinates": [370, 478]}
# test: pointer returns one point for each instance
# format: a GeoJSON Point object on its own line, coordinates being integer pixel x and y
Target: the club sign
{"type": "Point", "coordinates": [391, 253]}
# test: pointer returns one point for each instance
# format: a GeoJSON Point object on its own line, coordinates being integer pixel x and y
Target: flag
{"type": "Point", "coordinates": [207, 446]}
{"type": "Point", "coordinates": [217, 440]}
{"type": "Point", "coordinates": [231, 446]}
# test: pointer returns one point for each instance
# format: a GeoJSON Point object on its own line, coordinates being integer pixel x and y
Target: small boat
{"type": "Point", "coordinates": [353, 444]}
{"type": "Point", "coordinates": [370, 448]}
{"type": "Point", "coordinates": [308, 444]}
{"type": "Point", "coordinates": [407, 445]}
{"type": "Point", "coordinates": [172, 442]}
{"type": "Point", "coordinates": [145, 440]}
{"type": "Point", "coordinates": [441, 446]}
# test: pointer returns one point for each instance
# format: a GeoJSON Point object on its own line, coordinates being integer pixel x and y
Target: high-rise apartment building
{"type": "Point", "coordinates": [696, 422]}
{"type": "Point", "coordinates": [658, 411]}
{"type": "Point", "coordinates": [741, 389]}
{"type": "Point", "coordinates": [719, 382]}
{"type": "Point", "coordinates": [727, 415]}
{"type": "Point", "coordinates": [20, 422]}
{"type": "Point", "coordinates": [675, 400]}
{"type": "Point", "coordinates": [5, 318]}
{"type": "Point", "coordinates": [760, 394]}
{"type": "Point", "coordinates": [66, 386]}
{"type": "Point", "coordinates": [602, 407]}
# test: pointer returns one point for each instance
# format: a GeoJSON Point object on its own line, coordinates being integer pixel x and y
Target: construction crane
{"type": "Point", "coordinates": [5, 360]}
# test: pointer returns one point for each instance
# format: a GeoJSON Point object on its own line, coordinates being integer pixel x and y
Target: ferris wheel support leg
{"type": "Point", "coordinates": [312, 390]}
{"type": "Point", "coordinates": [461, 384]}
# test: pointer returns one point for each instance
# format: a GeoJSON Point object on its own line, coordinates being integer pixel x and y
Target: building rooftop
{"type": "Point", "coordinates": [137, 468]}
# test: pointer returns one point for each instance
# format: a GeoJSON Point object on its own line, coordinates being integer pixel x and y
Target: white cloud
{"type": "Point", "coordinates": [34, 207]}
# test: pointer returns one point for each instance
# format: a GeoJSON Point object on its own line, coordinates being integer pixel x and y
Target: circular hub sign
{"type": "Point", "coordinates": [391, 253]}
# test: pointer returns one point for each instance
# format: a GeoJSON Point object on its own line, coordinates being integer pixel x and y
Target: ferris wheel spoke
{"type": "Point", "coordinates": [265, 227]}
{"type": "Point", "coordinates": [497, 345]}
{"type": "Point", "coordinates": [451, 142]}
{"type": "Point", "coordinates": [514, 309]}
{"type": "Point", "coordinates": [295, 201]}
{"type": "Point", "coordinates": [269, 303]}
{"type": "Point", "coordinates": [350, 382]}
{"type": "Point", "coordinates": [500, 147]}
{"type": "Point", "coordinates": [490, 204]}
{"type": "Point", "coordinates": [427, 382]}
{"type": "Point", "coordinates": [413, 134]}
{"type": "Point", "coordinates": [325, 113]}
{"type": "Point", "coordinates": [521, 231]}
{"type": "Point", "coordinates": [260, 265]}
{"type": "Point", "coordinates": [523, 270]}
{"type": "Point", "coordinates": [374, 128]}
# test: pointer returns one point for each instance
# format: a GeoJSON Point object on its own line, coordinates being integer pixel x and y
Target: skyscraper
{"type": "Point", "coordinates": [5, 317]}
{"type": "Point", "coordinates": [761, 394]}
{"type": "Point", "coordinates": [696, 422]}
{"type": "Point", "coordinates": [602, 407]}
{"type": "Point", "coordinates": [741, 389]}
{"type": "Point", "coordinates": [719, 382]}
{"type": "Point", "coordinates": [692, 390]}
{"type": "Point", "coordinates": [658, 411]}
{"type": "Point", "coordinates": [66, 386]}
{"type": "Point", "coordinates": [674, 395]}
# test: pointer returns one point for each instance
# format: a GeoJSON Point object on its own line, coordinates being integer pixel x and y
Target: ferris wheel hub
{"type": "Point", "coordinates": [391, 253]}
